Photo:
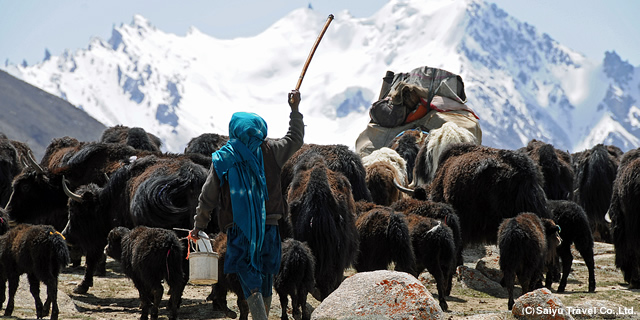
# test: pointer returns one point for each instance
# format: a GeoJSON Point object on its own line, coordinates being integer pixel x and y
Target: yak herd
{"type": "Point", "coordinates": [413, 206]}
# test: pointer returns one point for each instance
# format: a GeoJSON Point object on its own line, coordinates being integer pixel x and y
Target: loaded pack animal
{"type": "Point", "coordinates": [40, 252]}
{"type": "Point", "coordinates": [151, 191]}
{"type": "Point", "coordinates": [385, 167]}
{"type": "Point", "coordinates": [437, 141]}
{"type": "Point", "coordinates": [527, 244]}
{"type": "Point", "coordinates": [148, 257]}
{"type": "Point", "coordinates": [135, 137]}
{"type": "Point", "coordinates": [434, 249]}
{"type": "Point", "coordinates": [624, 214]}
{"type": "Point", "coordinates": [436, 210]}
{"type": "Point", "coordinates": [322, 213]}
{"type": "Point", "coordinates": [574, 229]}
{"type": "Point", "coordinates": [595, 171]}
{"type": "Point", "coordinates": [407, 144]}
{"type": "Point", "coordinates": [556, 167]}
{"type": "Point", "coordinates": [384, 238]}
{"type": "Point", "coordinates": [486, 185]}
{"type": "Point", "coordinates": [296, 278]}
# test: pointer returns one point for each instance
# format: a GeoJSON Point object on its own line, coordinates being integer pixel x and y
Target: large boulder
{"type": "Point", "coordinates": [474, 279]}
{"type": "Point", "coordinates": [380, 294]}
{"type": "Point", "coordinates": [540, 304]}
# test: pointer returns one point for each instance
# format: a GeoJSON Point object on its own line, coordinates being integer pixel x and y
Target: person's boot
{"type": "Point", "coordinates": [256, 306]}
{"type": "Point", "coordinates": [267, 304]}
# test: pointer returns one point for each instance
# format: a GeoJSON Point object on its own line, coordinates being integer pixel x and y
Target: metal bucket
{"type": "Point", "coordinates": [203, 267]}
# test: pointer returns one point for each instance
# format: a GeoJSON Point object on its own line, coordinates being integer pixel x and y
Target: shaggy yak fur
{"type": "Point", "coordinates": [322, 213]}
{"type": "Point", "coordinates": [384, 238]}
{"type": "Point", "coordinates": [337, 158]}
{"type": "Point", "coordinates": [556, 168]}
{"type": "Point", "coordinates": [201, 147]}
{"type": "Point", "coordinates": [436, 210]}
{"type": "Point", "coordinates": [596, 168]}
{"type": "Point", "coordinates": [152, 191]}
{"type": "Point", "coordinates": [227, 282]}
{"type": "Point", "coordinates": [10, 166]}
{"type": "Point", "coordinates": [40, 252]}
{"type": "Point", "coordinates": [407, 144]}
{"type": "Point", "coordinates": [434, 249]}
{"type": "Point", "coordinates": [574, 229]}
{"type": "Point", "coordinates": [296, 278]}
{"type": "Point", "coordinates": [384, 167]}
{"type": "Point", "coordinates": [527, 244]}
{"type": "Point", "coordinates": [135, 137]}
{"type": "Point", "coordinates": [624, 213]}
{"type": "Point", "coordinates": [486, 185]}
{"type": "Point", "coordinates": [149, 256]}
{"type": "Point", "coordinates": [438, 140]}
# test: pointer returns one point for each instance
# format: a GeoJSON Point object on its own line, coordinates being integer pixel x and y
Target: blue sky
{"type": "Point", "coordinates": [27, 27]}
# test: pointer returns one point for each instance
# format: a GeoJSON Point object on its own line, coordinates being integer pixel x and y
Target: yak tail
{"type": "Point", "coordinates": [595, 188]}
{"type": "Point", "coordinates": [163, 201]}
{"type": "Point", "coordinates": [59, 249]}
{"type": "Point", "coordinates": [174, 266]}
{"type": "Point", "coordinates": [398, 235]}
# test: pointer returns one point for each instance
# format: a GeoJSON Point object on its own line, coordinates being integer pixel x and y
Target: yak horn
{"type": "Point", "coordinates": [32, 162]}
{"type": "Point", "coordinates": [408, 191]}
{"type": "Point", "coordinates": [68, 192]}
{"type": "Point", "coordinates": [607, 217]}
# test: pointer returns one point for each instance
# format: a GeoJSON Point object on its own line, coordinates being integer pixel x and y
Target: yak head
{"type": "Point", "coordinates": [85, 222]}
{"type": "Point", "coordinates": [114, 242]}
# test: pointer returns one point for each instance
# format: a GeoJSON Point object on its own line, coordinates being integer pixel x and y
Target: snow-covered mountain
{"type": "Point", "coordinates": [521, 83]}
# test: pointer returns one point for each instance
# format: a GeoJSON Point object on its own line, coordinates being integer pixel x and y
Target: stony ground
{"type": "Point", "coordinates": [114, 296]}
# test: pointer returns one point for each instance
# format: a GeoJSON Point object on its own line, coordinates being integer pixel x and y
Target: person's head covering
{"type": "Point", "coordinates": [240, 163]}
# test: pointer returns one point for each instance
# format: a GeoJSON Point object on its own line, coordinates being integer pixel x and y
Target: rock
{"type": "Point", "coordinates": [380, 294]}
{"type": "Point", "coordinates": [601, 309]}
{"type": "Point", "coordinates": [476, 280]}
{"type": "Point", "coordinates": [540, 304]}
{"type": "Point", "coordinates": [505, 315]}
{"type": "Point", "coordinates": [490, 267]}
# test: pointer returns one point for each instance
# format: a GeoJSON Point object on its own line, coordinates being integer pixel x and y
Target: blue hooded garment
{"type": "Point", "coordinates": [240, 163]}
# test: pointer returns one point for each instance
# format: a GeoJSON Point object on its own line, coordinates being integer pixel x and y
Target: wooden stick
{"type": "Point", "coordinates": [313, 50]}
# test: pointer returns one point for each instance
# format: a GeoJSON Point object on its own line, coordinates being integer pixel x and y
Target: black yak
{"type": "Point", "coordinates": [148, 257]}
{"type": "Point", "coordinates": [407, 144]}
{"type": "Point", "coordinates": [436, 210]}
{"type": "Point", "coordinates": [485, 185]}
{"type": "Point", "coordinates": [40, 252]}
{"type": "Point", "coordinates": [624, 213]}
{"type": "Point", "coordinates": [152, 191]}
{"type": "Point", "coordinates": [595, 170]}
{"type": "Point", "coordinates": [556, 168]}
{"type": "Point", "coordinates": [384, 168]}
{"type": "Point", "coordinates": [135, 137]}
{"type": "Point", "coordinates": [574, 229]}
{"type": "Point", "coordinates": [527, 244]}
{"type": "Point", "coordinates": [384, 238]}
{"type": "Point", "coordinates": [322, 213]}
{"type": "Point", "coordinates": [434, 250]}
{"type": "Point", "coordinates": [296, 278]}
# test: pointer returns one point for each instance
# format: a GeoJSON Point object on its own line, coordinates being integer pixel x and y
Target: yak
{"type": "Point", "coordinates": [296, 278]}
{"type": "Point", "coordinates": [624, 214]}
{"type": "Point", "coordinates": [407, 144]}
{"type": "Point", "coordinates": [384, 167]}
{"type": "Point", "coordinates": [527, 244]}
{"type": "Point", "coordinates": [595, 170]}
{"type": "Point", "coordinates": [556, 168]}
{"type": "Point", "coordinates": [322, 212]}
{"type": "Point", "coordinates": [40, 252]}
{"type": "Point", "coordinates": [152, 191]}
{"type": "Point", "coordinates": [384, 238]}
{"type": "Point", "coordinates": [148, 257]}
{"type": "Point", "coordinates": [135, 137]}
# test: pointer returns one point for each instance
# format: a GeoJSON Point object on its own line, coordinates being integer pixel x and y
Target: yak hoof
{"type": "Point", "coordinates": [81, 289]}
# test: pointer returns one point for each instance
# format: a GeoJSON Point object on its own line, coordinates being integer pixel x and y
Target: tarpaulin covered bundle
{"type": "Point", "coordinates": [423, 98]}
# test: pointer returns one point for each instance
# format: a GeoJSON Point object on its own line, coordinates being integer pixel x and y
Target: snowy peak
{"type": "Point", "coordinates": [521, 83]}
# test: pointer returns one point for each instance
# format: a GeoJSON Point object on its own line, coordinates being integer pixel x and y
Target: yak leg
{"type": "Point", "coordinates": [508, 281]}
{"type": "Point", "coordinates": [14, 280]}
{"type": "Point", "coordinates": [34, 287]}
{"type": "Point", "coordinates": [564, 251]}
{"type": "Point", "coordinates": [52, 299]}
{"type": "Point", "coordinates": [437, 273]}
{"type": "Point", "coordinates": [156, 295]}
{"type": "Point", "coordinates": [87, 281]}
{"type": "Point", "coordinates": [284, 301]}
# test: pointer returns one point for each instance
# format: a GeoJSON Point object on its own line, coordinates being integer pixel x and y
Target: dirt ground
{"type": "Point", "coordinates": [114, 296]}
